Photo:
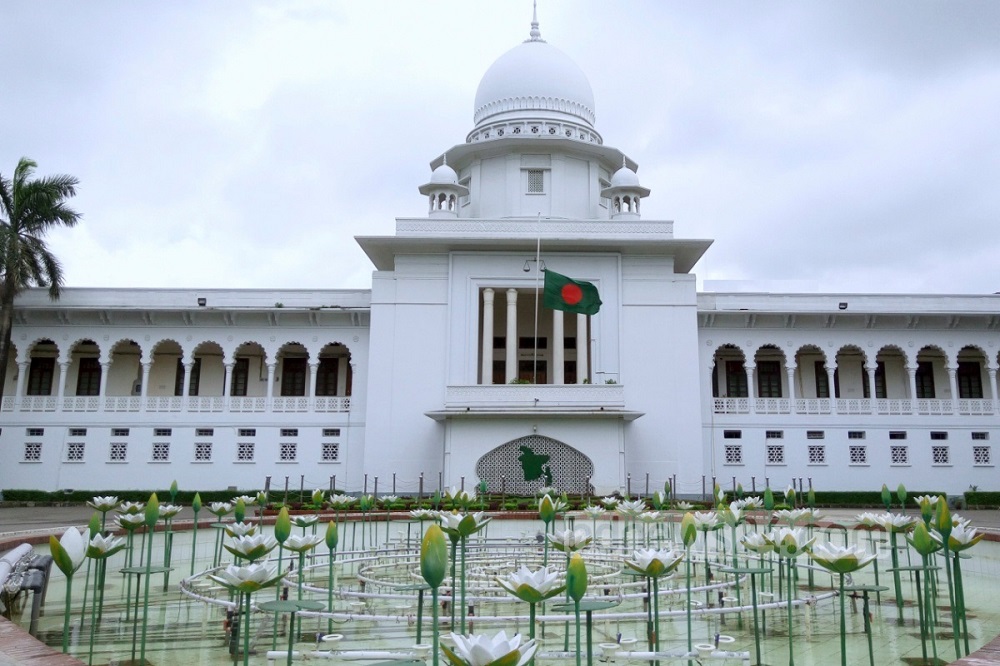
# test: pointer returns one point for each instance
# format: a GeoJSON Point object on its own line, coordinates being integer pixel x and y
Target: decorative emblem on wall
{"type": "Point", "coordinates": [529, 463]}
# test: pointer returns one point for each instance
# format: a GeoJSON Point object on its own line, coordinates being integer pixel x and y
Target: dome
{"type": "Point", "coordinates": [444, 175]}
{"type": "Point", "coordinates": [535, 77]}
{"type": "Point", "coordinates": [624, 177]}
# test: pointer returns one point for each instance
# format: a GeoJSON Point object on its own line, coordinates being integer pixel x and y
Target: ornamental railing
{"type": "Point", "coordinates": [175, 404]}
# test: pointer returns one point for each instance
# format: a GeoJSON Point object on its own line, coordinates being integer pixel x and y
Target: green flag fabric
{"type": "Point", "coordinates": [563, 293]}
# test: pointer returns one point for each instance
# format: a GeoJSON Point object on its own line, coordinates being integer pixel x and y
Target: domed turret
{"type": "Point", "coordinates": [624, 192]}
{"type": "Point", "coordinates": [534, 90]}
{"type": "Point", "coordinates": [443, 191]}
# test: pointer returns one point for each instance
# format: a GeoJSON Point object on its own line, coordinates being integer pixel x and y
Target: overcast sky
{"type": "Point", "coordinates": [830, 146]}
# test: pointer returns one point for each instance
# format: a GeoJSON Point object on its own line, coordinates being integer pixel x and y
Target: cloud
{"type": "Point", "coordinates": [244, 144]}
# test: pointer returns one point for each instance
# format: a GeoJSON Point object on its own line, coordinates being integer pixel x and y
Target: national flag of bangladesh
{"type": "Point", "coordinates": [563, 293]}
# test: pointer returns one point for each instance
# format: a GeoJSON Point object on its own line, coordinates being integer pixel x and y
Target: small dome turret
{"type": "Point", "coordinates": [625, 192]}
{"type": "Point", "coordinates": [443, 191]}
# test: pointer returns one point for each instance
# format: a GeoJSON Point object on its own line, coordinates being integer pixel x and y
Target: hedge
{"type": "Point", "coordinates": [983, 499]}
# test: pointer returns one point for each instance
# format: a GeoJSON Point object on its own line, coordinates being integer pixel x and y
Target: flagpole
{"type": "Point", "coordinates": [538, 275]}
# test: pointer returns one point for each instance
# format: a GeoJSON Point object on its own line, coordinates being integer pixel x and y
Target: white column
{"type": "Point", "coordinates": [830, 371]}
{"type": "Point", "coordinates": [790, 373]}
{"type": "Point", "coordinates": [870, 369]}
{"type": "Point", "coordinates": [511, 365]}
{"type": "Point", "coordinates": [144, 391]}
{"type": "Point", "coordinates": [558, 354]}
{"type": "Point", "coordinates": [953, 382]}
{"type": "Point", "coordinates": [912, 372]}
{"type": "Point", "coordinates": [227, 383]}
{"type": "Point", "coordinates": [104, 379]}
{"type": "Point", "coordinates": [993, 386]}
{"type": "Point", "coordinates": [751, 371]}
{"type": "Point", "coordinates": [186, 383]}
{"type": "Point", "coordinates": [582, 349]}
{"type": "Point", "coordinates": [313, 378]}
{"type": "Point", "coordinates": [488, 323]}
{"type": "Point", "coordinates": [63, 373]}
{"type": "Point", "coordinates": [22, 370]}
{"type": "Point", "coordinates": [270, 379]}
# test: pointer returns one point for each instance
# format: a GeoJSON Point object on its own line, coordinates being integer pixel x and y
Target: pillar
{"type": "Point", "coordinates": [270, 379]}
{"type": "Point", "coordinates": [790, 374]}
{"type": "Point", "coordinates": [511, 364]}
{"type": "Point", "coordinates": [342, 376]}
{"type": "Point", "coordinates": [63, 372]}
{"type": "Point", "coordinates": [912, 372]}
{"type": "Point", "coordinates": [22, 371]}
{"type": "Point", "coordinates": [870, 370]}
{"type": "Point", "coordinates": [830, 372]}
{"type": "Point", "coordinates": [313, 378]}
{"type": "Point", "coordinates": [103, 391]}
{"type": "Point", "coordinates": [751, 371]}
{"type": "Point", "coordinates": [953, 382]}
{"type": "Point", "coordinates": [227, 383]}
{"type": "Point", "coordinates": [186, 384]}
{"type": "Point", "coordinates": [144, 391]}
{"type": "Point", "coordinates": [486, 371]}
{"type": "Point", "coordinates": [993, 386]}
{"type": "Point", "coordinates": [558, 353]}
{"type": "Point", "coordinates": [582, 350]}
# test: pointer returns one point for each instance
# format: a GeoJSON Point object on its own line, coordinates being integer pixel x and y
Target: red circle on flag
{"type": "Point", "coordinates": [571, 294]}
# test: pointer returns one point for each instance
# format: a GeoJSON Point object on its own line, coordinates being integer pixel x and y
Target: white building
{"type": "Point", "coordinates": [410, 382]}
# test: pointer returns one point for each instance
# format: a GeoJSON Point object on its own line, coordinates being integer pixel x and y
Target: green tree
{"type": "Point", "coordinates": [28, 209]}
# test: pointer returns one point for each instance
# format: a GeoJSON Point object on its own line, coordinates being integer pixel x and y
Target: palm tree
{"type": "Point", "coordinates": [29, 208]}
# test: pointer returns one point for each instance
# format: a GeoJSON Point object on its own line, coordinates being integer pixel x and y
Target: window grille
{"type": "Point", "coordinates": [732, 434]}
{"type": "Point", "coordinates": [734, 454]}
{"type": "Point", "coordinates": [77, 432]}
{"type": "Point", "coordinates": [32, 452]}
{"type": "Point", "coordinates": [939, 455]}
{"type": "Point", "coordinates": [937, 435]}
{"type": "Point", "coordinates": [35, 432]}
{"type": "Point", "coordinates": [119, 452]}
{"type": "Point", "coordinates": [981, 455]}
{"type": "Point", "coordinates": [897, 434]}
{"type": "Point", "coordinates": [74, 451]}
{"type": "Point", "coordinates": [981, 435]}
{"type": "Point", "coordinates": [162, 432]}
{"type": "Point", "coordinates": [856, 434]}
{"type": "Point", "coordinates": [119, 432]}
{"type": "Point", "coordinates": [287, 452]}
{"type": "Point", "coordinates": [203, 451]}
{"type": "Point", "coordinates": [331, 452]}
{"type": "Point", "coordinates": [899, 455]}
{"type": "Point", "coordinates": [289, 432]}
{"type": "Point", "coordinates": [331, 432]}
{"type": "Point", "coordinates": [774, 434]}
{"type": "Point", "coordinates": [817, 454]}
{"type": "Point", "coordinates": [858, 454]}
{"type": "Point", "coordinates": [161, 451]}
{"type": "Point", "coordinates": [775, 454]}
{"type": "Point", "coordinates": [204, 432]}
{"type": "Point", "coordinates": [244, 452]}
{"type": "Point", "coordinates": [247, 432]}
{"type": "Point", "coordinates": [815, 434]}
{"type": "Point", "coordinates": [536, 181]}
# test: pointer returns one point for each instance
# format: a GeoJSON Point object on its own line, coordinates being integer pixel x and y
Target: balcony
{"type": "Point", "coordinates": [600, 400]}
{"type": "Point", "coordinates": [167, 404]}
{"type": "Point", "coordinates": [854, 406]}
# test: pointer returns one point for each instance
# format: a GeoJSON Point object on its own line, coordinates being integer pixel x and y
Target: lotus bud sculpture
{"type": "Point", "coordinates": [433, 566]}
{"type": "Point", "coordinates": [68, 552]}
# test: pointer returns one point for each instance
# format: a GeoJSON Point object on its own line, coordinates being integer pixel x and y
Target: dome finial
{"type": "Point", "coordinates": [535, 34]}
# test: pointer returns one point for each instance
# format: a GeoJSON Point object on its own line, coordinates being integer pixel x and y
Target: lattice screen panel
{"type": "Point", "coordinates": [534, 462]}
